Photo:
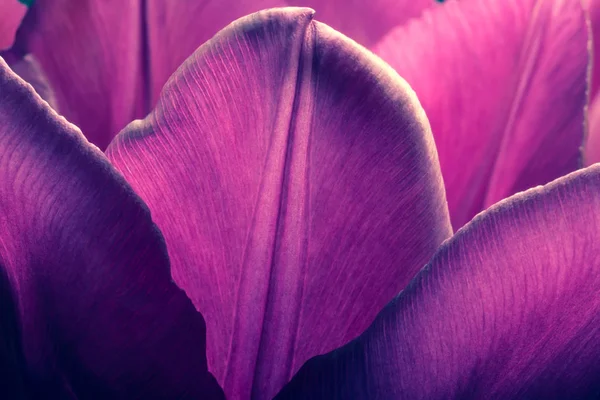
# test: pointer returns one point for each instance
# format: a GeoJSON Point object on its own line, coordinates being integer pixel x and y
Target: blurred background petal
{"type": "Point", "coordinates": [93, 54]}
{"type": "Point", "coordinates": [503, 84]}
{"type": "Point", "coordinates": [507, 309]}
{"type": "Point", "coordinates": [99, 315]}
{"type": "Point", "coordinates": [11, 14]}
{"type": "Point", "coordinates": [296, 181]}
{"type": "Point", "coordinates": [107, 60]}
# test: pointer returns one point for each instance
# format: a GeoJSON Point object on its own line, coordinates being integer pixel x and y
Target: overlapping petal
{"type": "Point", "coordinates": [93, 54]}
{"type": "Point", "coordinates": [11, 14]}
{"type": "Point", "coordinates": [507, 309]}
{"type": "Point", "coordinates": [503, 84]}
{"type": "Point", "coordinates": [86, 269]}
{"type": "Point", "coordinates": [108, 60]}
{"type": "Point", "coordinates": [295, 178]}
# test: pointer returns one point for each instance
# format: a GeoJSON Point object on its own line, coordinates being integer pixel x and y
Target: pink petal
{"type": "Point", "coordinates": [295, 178]}
{"type": "Point", "coordinates": [11, 14]}
{"type": "Point", "coordinates": [507, 309]}
{"type": "Point", "coordinates": [504, 86]}
{"type": "Point", "coordinates": [98, 314]}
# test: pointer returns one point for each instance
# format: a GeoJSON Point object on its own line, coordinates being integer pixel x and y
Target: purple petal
{"type": "Point", "coordinates": [295, 178]}
{"type": "Point", "coordinates": [10, 18]}
{"type": "Point", "coordinates": [99, 315]}
{"type": "Point", "coordinates": [504, 86]}
{"type": "Point", "coordinates": [507, 309]}
{"type": "Point", "coordinates": [177, 28]}
{"type": "Point", "coordinates": [92, 54]}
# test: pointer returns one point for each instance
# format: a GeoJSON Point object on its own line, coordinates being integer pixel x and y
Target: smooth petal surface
{"type": "Point", "coordinates": [503, 84]}
{"type": "Point", "coordinates": [11, 14]}
{"type": "Point", "coordinates": [99, 315]}
{"type": "Point", "coordinates": [92, 53]}
{"type": "Point", "coordinates": [507, 309]}
{"type": "Point", "coordinates": [295, 178]}
{"type": "Point", "coordinates": [176, 28]}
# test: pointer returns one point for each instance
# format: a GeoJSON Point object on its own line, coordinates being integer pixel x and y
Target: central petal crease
{"type": "Point", "coordinates": [278, 235]}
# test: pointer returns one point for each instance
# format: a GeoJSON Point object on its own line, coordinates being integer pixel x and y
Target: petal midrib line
{"type": "Point", "coordinates": [278, 235]}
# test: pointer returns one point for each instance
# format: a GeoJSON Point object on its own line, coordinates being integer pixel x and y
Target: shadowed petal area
{"type": "Point", "coordinates": [92, 53]}
{"type": "Point", "coordinates": [505, 97]}
{"type": "Point", "coordinates": [507, 309]}
{"type": "Point", "coordinates": [176, 28]}
{"type": "Point", "coordinates": [295, 178]}
{"type": "Point", "coordinates": [11, 14]}
{"type": "Point", "coordinates": [99, 315]}
{"type": "Point", "coordinates": [31, 72]}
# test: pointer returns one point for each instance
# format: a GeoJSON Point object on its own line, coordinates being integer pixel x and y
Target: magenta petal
{"type": "Point", "coordinates": [507, 309]}
{"type": "Point", "coordinates": [92, 53]}
{"type": "Point", "coordinates": [99, 315]}
{"type": "Point", "coordinates": [11, 14]}
{"type": "Point", "coordinates": [593, 8]}
{"type": "Point", "coordinates": [295, 178]}
{"type": "Point", "coordinates": [503, 84]}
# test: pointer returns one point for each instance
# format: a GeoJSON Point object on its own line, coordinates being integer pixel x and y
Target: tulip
{"type": "Point", "coordinates": [294, 182]}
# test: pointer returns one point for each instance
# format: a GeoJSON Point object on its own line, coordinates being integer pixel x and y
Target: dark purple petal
{"type": "Point", "coordinates": [507, 309]}
{"type": "Point", "coordinates": [99, 316]}
{"type": "Point", "coordinates": [11, 14]}
{"type": "Point", "coordinates": [503, 84]}
{"type": "Point", "coordinates": [92, 53]}
{"type": "Point", "coordinates": [295, 178]}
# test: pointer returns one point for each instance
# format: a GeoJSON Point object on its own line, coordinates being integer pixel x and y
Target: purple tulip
{"type": "Point", "coordinates": [288, 181]}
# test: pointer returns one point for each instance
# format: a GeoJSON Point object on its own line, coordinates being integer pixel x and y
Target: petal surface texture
{"type": "Point", "coordinates": [92, 53]}
{"type": "Point", "coordinates": [99, 315]}
{"type": "Point", "coordinates": [11, 14]}
{"type": "Point", "coordinates": [295, 178]}
{"type": "Point", "coordinates": [503, 84]}
{"type": "Point", "coordinates": [507, 309]}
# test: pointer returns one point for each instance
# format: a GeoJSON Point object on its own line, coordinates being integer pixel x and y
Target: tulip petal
{"type": "Point", "coordinates": [295, 178]}
{"type": "Point", "coordinates": [92, 53]}
{"type": "Point", "coordinates": [503, 84]}
{"type": "Point", "coordinates": [11, 15]}
{"type": "Point", "coordinates": [99, 315]}
{"type": "Point", "coordinates": [506, 309]}
{"type": "Point", "coordinates": [177, 28]}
